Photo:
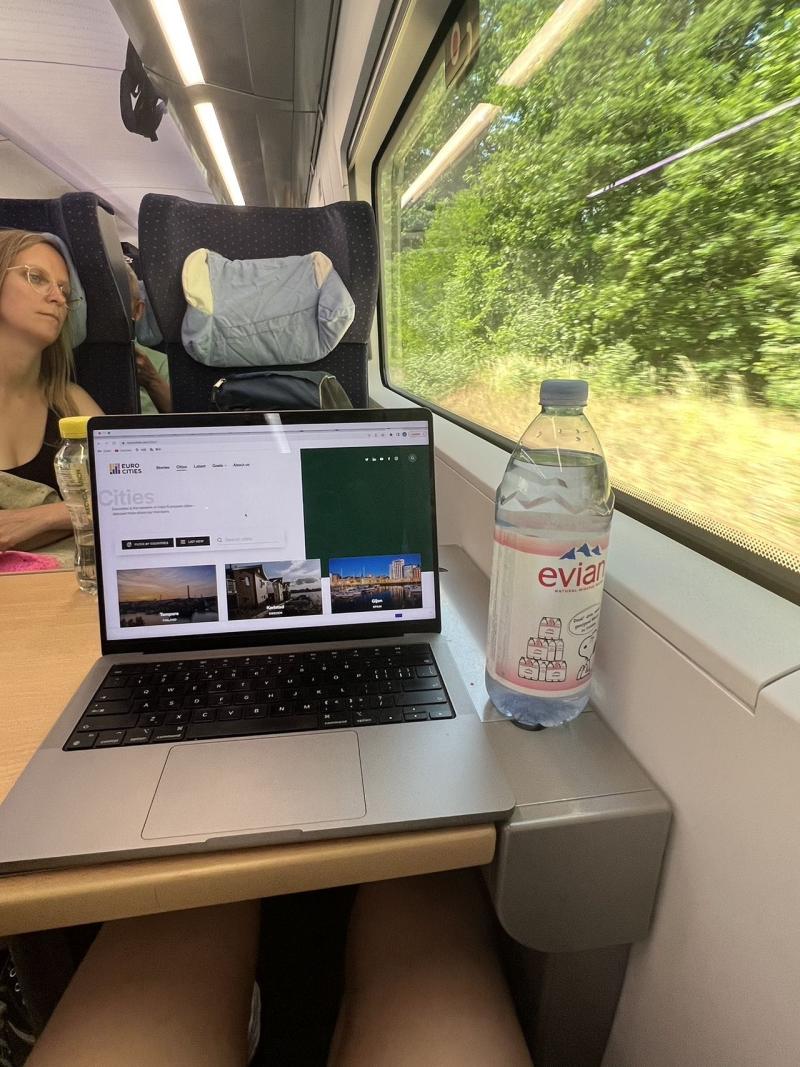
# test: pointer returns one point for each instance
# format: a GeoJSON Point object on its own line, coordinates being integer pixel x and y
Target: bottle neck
{"type": "Point", "coordinates": [561, 429]}
{"type": "Point", "coordinates": [553, 409]}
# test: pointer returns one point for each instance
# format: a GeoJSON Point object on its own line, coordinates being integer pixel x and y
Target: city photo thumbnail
{"type": "Point", "coordinates": [277, 589]}
{"type": "Point", "coordinates": [376, 583]}
{"type": "Point", "coordinates": [159, 596]}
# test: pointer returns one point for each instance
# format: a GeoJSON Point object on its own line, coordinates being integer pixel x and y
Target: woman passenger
{"type": "Point", "coordinates": [36, 389]}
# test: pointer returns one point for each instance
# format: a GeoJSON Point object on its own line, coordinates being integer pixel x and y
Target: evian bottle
{"type": "Point", "coordinates": [552, 517]}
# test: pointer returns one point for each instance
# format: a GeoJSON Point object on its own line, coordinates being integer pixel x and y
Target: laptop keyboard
{"type": "Point", "coordinates": [245, 696]}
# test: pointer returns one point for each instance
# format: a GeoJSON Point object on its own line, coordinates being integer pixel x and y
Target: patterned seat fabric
{"type": "Point", "coordinates": [170, 228]}
{"type": "Point", "coordinates": [104, 362]}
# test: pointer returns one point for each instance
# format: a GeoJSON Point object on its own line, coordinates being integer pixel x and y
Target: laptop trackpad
{"type": "Point", "coordinates": [222, 787]}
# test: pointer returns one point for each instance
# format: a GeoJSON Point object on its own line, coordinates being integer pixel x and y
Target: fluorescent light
{"type": "Point", "coordinates": [478, 120]}
{"type": "Point", "coordinates": [216, 142]}
{"type": "Point", "coordinates": [173, 26]}
{"type": "Point", "coordinates": [565, 20]}
{"type": "Point", "coordinates": [176, 33]}
{"type": "Point", "coordinates": [547, 40]}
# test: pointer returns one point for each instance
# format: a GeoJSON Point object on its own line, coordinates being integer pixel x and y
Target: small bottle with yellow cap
{"type": "Point", "coordinates": [72, 475]}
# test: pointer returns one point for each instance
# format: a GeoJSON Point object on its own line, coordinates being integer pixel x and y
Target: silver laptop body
{"type": "Point", "coordinates": [261, 536]}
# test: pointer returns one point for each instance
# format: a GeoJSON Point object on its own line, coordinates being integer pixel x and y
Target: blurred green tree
{"type": "Point", "coordinates": [527, 249]}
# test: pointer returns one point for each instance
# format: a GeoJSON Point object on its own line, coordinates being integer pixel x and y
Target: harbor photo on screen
{"type": "Point", "coordinates": [158, 596]}
{"type": "Point", "coordinates": [276, 589]}
{"type": "Point", "coordinates": [376, 583]}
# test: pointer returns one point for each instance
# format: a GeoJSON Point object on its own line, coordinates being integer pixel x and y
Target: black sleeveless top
{"type": "Point", "coordinates": [40, 468]}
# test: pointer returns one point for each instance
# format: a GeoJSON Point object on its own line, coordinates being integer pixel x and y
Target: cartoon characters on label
{"type": "Point", "coordinates": [586, 652]}
{"type": "Point", "coordinates": [544, 659]}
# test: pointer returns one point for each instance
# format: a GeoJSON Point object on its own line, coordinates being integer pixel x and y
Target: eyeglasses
{"type": "Point", "coordinates": [43, 284]}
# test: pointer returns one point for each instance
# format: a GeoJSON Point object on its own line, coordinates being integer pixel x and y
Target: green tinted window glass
{"type": "Point", "coordinates": [610, 191]}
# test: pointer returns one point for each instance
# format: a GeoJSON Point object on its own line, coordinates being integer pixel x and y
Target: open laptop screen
{"type": "Point", "coordinates": [240, 529]}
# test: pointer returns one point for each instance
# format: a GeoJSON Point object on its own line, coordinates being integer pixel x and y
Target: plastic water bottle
{"type": "Point", "coordinates": [72, 475]}
{"type": "Point", "coordinates": [552, 519]}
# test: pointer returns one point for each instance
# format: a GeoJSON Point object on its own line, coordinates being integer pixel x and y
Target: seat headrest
{"type": "Point", "coordinates": [262, 312]}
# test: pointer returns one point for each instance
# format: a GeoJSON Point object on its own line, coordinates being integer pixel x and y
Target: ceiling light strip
{"type": "Point", "coordinates": [473, 126]}
{"type": "Point", "coordinates": [207, 117]}
{"type": "Point", "coordinates": [176, 32]}
{"type": "Point", "coordinates": [565, 20]}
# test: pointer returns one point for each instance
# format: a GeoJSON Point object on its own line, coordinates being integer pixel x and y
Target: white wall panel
{"type": "Point", "coordinates": [20, 172]}
{"type": "Point", "coordinates": [464, 517]}
{"type": "Point", "coordinates": [716, 981]}
{"type": "Point", "coordinates": [741, 634]}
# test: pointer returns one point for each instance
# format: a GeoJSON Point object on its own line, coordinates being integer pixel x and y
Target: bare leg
{"type": "Point", "coordinates": [423, 985]}
{"type": "Point", "coordinates": [169, 990]}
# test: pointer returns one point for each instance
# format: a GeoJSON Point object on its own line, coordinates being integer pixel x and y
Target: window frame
{"type": "Point", "coordinates": [763, 572]}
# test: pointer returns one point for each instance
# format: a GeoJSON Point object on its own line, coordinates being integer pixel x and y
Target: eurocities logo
{"type": "Point", "coordinates": [124, 468]}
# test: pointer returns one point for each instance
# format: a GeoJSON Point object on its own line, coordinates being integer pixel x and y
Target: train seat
{"type": "Point", "coordinates": [104, 362]}
{"type": "Point", "coordinates": [170, 228]}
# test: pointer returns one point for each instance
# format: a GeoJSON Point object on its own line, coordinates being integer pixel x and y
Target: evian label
{"type": "Point", "coordinates": [544, 612]}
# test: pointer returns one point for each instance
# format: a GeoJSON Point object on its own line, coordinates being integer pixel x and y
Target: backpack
{"type": "Point", "coordinates": [273, 390]}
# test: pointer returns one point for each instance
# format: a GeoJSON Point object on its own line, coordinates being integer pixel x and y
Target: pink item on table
{"type": "Point", "coordinates": [16, 562]}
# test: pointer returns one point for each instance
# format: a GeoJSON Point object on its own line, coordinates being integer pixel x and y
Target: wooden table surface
{"type": "Point", "coordinates": [50, 638]}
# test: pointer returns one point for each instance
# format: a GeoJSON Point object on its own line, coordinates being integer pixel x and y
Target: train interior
{"type": "Point", "coordinates": [646, 889]}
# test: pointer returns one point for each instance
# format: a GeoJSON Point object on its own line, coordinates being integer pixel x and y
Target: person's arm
{"type": "Point", "coordinates": [151, 381]}
{"type": "Point", "coordinates": [25, 529]}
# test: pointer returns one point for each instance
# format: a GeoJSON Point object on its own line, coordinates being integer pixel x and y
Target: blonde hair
{"type": "Point", "coordinates": [58, 365]}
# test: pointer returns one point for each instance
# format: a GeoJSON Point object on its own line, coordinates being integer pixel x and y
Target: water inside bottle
{"type": "Point", "coordinates": [551, 495]}
{"type": "Point", "coordinates": [551, 490]}
{"type": "Point", "coordinates": [85, 568]}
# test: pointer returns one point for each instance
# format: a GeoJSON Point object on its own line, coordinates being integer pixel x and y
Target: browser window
{"type": "Point", "coordinates": [226, 529]}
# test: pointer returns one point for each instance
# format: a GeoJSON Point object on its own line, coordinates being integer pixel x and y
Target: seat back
{"type": "Point", "coordinates": [170, 228]}
{"type": "Point", "coordinates": [104, 363]}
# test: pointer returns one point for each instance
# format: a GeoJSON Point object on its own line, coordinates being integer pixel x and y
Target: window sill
{"type": "Point", "coordinates": [740, 634]}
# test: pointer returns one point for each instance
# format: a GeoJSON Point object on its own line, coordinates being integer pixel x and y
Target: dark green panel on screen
{"type": "Point", "coordinates": [364, 502]}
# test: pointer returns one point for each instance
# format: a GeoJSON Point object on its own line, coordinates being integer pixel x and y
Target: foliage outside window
{"type": "Point", "coordinates": [613, 192]}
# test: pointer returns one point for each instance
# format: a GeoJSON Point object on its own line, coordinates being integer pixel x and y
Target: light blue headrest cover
{"type": "Point", "coordinates": [76, 321]}
{"type": "Point", "coordinates": [261, 312]}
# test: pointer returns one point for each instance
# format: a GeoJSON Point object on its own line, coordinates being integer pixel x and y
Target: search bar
{"type": "Point", "coordinates": [270, 540]}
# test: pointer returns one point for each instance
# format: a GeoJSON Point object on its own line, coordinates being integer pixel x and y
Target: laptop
{"type": "Point", "coordinates": [272, 664]}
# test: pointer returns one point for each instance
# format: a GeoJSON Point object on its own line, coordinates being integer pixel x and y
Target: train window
{"type": "Point", "coordinates": [609, 189]}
